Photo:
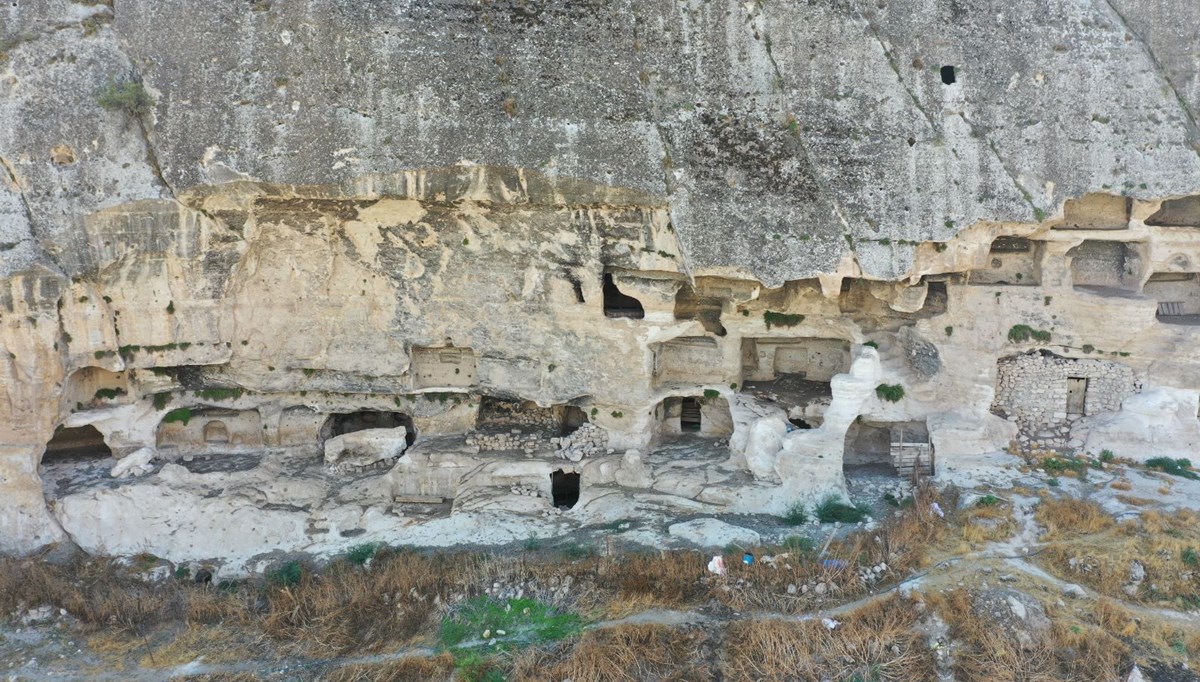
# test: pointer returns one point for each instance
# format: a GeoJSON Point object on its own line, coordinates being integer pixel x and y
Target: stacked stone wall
{"type": "Point", "coordinates": [1032, 390]}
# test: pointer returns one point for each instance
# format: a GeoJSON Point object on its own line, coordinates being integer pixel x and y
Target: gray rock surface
{"type": "Point", "coordinates": [780, 133]}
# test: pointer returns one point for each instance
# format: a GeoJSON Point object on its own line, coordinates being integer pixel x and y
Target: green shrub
{"type": "Point", "coordinates": [1021, 333]}
{"type": "Point", "coordinates": [532, 544]}
{"type": "Point", "coordinates": [871, 344]}
{"type": "Point", "coordinates": [361, 554]}
{"type": "Point", "coordinates": [220, 393]}
{"type": "Point", "coordinates": [287, 575]}
{"type": "Point", "coordinates": [109, 393]}
{"type": "Point", "coordinates": [987, 501]}
{"type": "Point", "coordinates": [799, 543]}
{"type": "Point", "coordinates": [181, 414]}
{"type": "Point", "coordinates": [710, 393]}
{"type": "Point", "coordinates": [1053, 482]}
{"type": "Point", "coordinates": [161, 400]}
{"type": "Point", "coordinates": [1107, 456]}
{"type": "Point", "coordinates": [832, 509]}
{"type": "Point", "coordinates": [129, 97]}
{"type": "Point", "coordinates": [1175, 467]}
{"type": "Point", "coordinates": [890, 392]}
{"type": "Point", "coordinates": [1190, 557]}
{"type": "Point", "coordinates": [796, 515]}
{"type": "Point", "coordinates": [575, 551]}
{"type": "Point", "coordinates": [774, 319]}
{"type": "Point", "coordinates": [949, 330]}
{"type": "Point", "coordinates": [523, 622]}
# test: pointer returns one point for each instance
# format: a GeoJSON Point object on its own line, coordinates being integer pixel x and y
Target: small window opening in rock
{"type": "Point", "coordinates": [689, 416]}
{"type": "Point", "coordinates": [564, 489]}
{"type": "Point", "coordinates": [948, 75]}
{"type": "Point", "coordinates": [81, 442]}
{"type": "Point", "coordinates": [339, 424]}
{"type": "Point", "coordinates": [578, 287]}
{"type": "Point", "coordinates": [799, 423]}
{"type": "Point", "coordinates": [617, 304]}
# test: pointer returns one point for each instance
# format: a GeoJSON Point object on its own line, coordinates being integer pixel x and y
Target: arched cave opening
{"type": "Point", "coordinates": [573, 417]}
{"type": "Point", "coordinates": [77, 443]}
{"type": "Point", "coordinates": [617, 304]}
{"type": "Point", "coordinates": [564, 489]}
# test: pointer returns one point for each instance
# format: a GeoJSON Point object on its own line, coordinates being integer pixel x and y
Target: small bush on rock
{"type": "Point", "coordinates": [130, 98]}
{"type": "Point", "coordinates": [890, 392]}
{"type": "Point", "coordinates": [1176, 467]}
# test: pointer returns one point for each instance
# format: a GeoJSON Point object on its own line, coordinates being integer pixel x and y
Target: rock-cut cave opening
{"type": "Point", "coordinates": [564, 488]}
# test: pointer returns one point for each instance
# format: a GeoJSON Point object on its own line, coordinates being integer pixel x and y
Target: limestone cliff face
{"type": "Point", "coordinates": [320, 200]}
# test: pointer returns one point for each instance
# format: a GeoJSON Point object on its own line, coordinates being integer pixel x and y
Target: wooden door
{"type": "Point", "coordinates": [1076, 395]}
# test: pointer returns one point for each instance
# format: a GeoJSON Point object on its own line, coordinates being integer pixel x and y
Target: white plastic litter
{"type": "Point", "coordinates": [717, 565]}
{"type": "Point", "coordinates": [937, 509]}
{"type": "Point", "coordinates": [830, 623]}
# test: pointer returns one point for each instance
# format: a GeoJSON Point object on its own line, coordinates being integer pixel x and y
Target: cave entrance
{"type": "Point", "coordinates": [1106, 267]}
{"type": "Point", "coordinates": [868, 450]}
{"type": "Point", "coordinates": [887, 449]}
{"type": "Point", "coordinates": [617, 304]}
{"type": "Point", "coordinates": [341, 424]}
{"type": "Point", "coordinates": [564, 489]}
{"type": "Point", "coordinates": [78, 443]}
{"type": "Point", "coordinates": [573, 417]}
{"type": "Point", "coordinates": [689, 415]}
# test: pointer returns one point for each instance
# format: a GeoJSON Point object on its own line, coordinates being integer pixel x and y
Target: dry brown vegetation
{"type": "Point", "coordinates": [1067, 517]}
{"type": "Point", "coordinates": [623, 653]}
{"type": "Point", "coordinates": [415, 669]}
{"type": "Point", "coordinates": [989, 652]}
{"type": "Point", "coordinates": [400, 600]}
{"type": "Point", "coordinates": [1100, 556]}
{"type": "Point", "coordinates": [987, 523]}
{"type": "Point", "coordinates": [877, 642]}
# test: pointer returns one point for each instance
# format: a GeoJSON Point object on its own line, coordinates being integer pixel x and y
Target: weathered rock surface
{"type": "Point", "coordinates": [713, 533]}
{"type": "Point", "coordinates": [665, 224]}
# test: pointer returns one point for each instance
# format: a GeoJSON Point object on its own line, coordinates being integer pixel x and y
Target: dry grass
{"type": "Point", "coordinates": [624, 653]}
{"type": "Point", "coordinates": [215, 644]}
{"type": "Point", "coordinates": [987, 523]}
{"type": "Point", "coordinates": [1160, 542]}
{"type": "Point", "coordinates": [416, 669]}
{"type": "Point", "coordinates": [989, 653]}
{"type": "Point", "coordinates": [1121, 484]}
{"type": "Point", "coordinates": [1134, 501]}
{"type": "Point", "coordinates": [1068, 517]}
{"type": "Point", "coordinates": [876, 642]}
{"type": "Point", "coordinates": [348, 609]}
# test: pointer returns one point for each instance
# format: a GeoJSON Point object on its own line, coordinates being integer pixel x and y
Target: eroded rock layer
{"type": "Point", "coordinates": [461, 272]}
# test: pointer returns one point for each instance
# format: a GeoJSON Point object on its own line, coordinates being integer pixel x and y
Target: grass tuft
{"type": "Point", "coordinates": [833, 509]}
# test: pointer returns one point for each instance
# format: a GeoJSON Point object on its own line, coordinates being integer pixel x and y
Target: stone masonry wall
{"type": "Point", "coordinates": [1032, 391]}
